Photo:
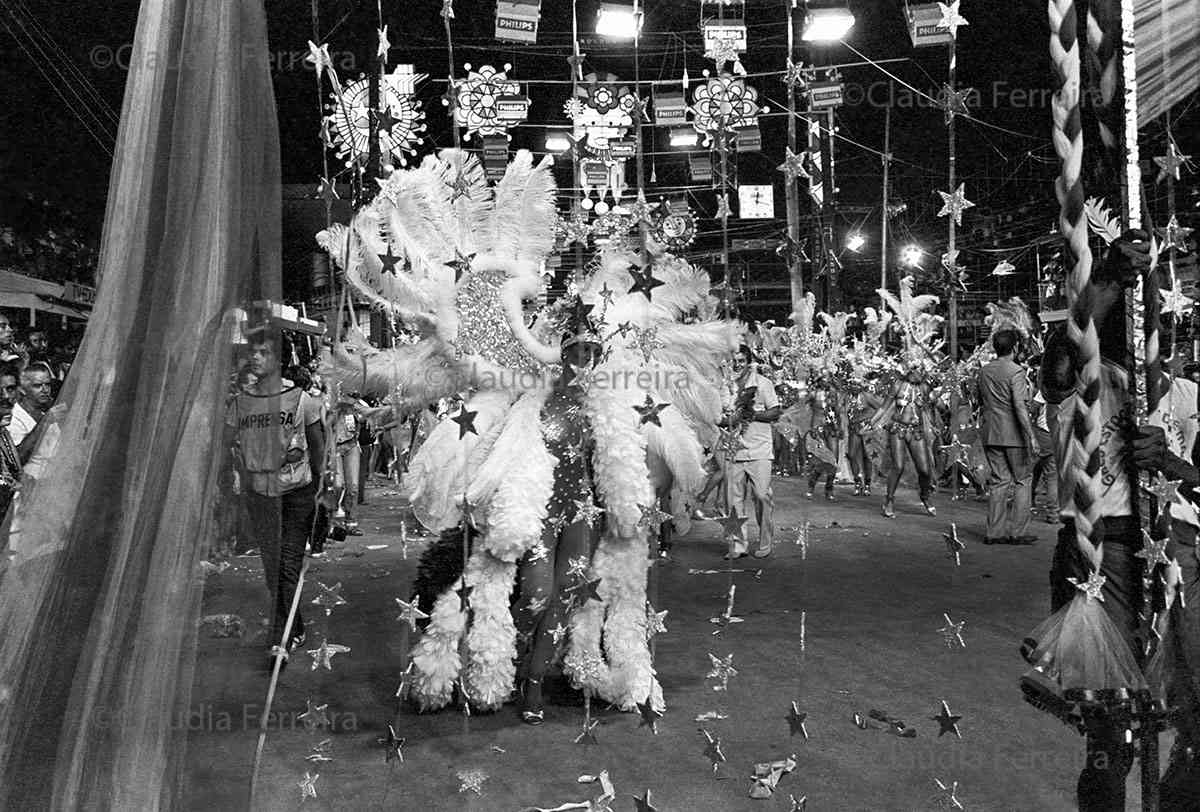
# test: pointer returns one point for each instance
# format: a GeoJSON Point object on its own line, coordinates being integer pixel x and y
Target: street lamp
{"type": "Point", "coordinates": [827, 24]}
{"type": "Point", "coordinates": [617, 21]}
{"type": "Point", "coordinates": [911, 255]}
{"type": "Point", "coordinates": [855, 242]}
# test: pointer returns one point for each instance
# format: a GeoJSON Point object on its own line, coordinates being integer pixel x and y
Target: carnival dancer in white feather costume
{"type": "Point", "coordinates": [456, 260]}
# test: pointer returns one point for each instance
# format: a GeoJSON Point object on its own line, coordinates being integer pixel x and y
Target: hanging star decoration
{"type": "Point", "coordinates": [1154, 551]}
{"type": "Point", "coordinates": [797, 720]}
{"type": "Point", "coordinates": [395, 746]}
{"type": "Point", "coordinates": [587, 735]}
{"type": "Point", "coordinates": [472, 781]}
{"type": "Point", "coordinates": [951, 19]}
{"type": "Point", "coordinates": [652, 517]}
{"type": "Point", "coordinates": [330, 597]}
{"type": "Point", "coordinates": [385, 45]}
{"type": "Point", "coordinates": [793, 165]}
{"type": "Point", "coordinates": [575, 61]}
{"type": "Point", "coordinates": [792, 251]}
{"type": "Point", "coordinates": [723, 212]}
{"type": "Point", "coordinates": [1169, 165]}
{"type": "Point", "coordinates": [461, 264]}
{"type": "Point", "coordinates": [323, 654]}
{"type": "Point", "coordinates": [558, 633]}
{"type": "Point", "coordinates": [320, 752]}
{"type": "Point", "coordinates": [447, 9]}
{"type": "Point", "coordinates": [314, 716]}
{"type": "Point", "coordinates": [643, 803]}
{"type": "Point", "coordinates": [649, 715]}
{"type": "Point", "coordinates": [649, 412]}
{"type": "Point", "coordinates": [1174, 235]}
{"type": "Point", "coordinates": [951, 799]}
{"type": "Point", "coordinates": [466, 422]}
{"type": "Point", "coordinates": [308, 786]}
{"type": "Point", "coordinates": [795, 74]}
{"type": "Point", "coordinates": [947, 721]}
{"type": "Point", "coordinates": [957, 274]}
{"type": "Point", "coordinates": [954, 545]}
{"type": "Point", "coordinates": [959, 452]}
{"type": "Point", "coordinates": [410, 613]}
{"type": "Point", "coordinates": [1180, 304]}
{"type": "Point", "coordinates": [954, 102]}
{"type": "Point", "coordinates": [648, 343]}
{"type": "Point", "coordinates": [1093, 587]}
{"type": "Point", "coordinates": [722, 51]}
{"type": "Point", "coordinates": [327, 191]}
{"type": "Point", "coordinates": [952, 632]}
{"type": "Point", "coordinates": [318, 57]}
{"type": "Point", "coordinates": [389, 261]}
{"type": "Point", "coordinates": [644, 281]}
{"type": "Point", "coordinates": [713, 750]}
{"type": "Point", "coordinates": [655, 621]}
{"type": "Point", "coordinates": [955, 204]}
{"type": "Point", "coordinates": [587, 511]}
{"type": "Point", "coordinates": [406, 680]}
{"type": "Point", "coordinates": [575, 230]}
{"type": "Point", "coordinates": [722, 669]}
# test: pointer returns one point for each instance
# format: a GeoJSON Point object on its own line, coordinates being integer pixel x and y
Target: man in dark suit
{"type": "Point", "coordinates": [1008, 442]}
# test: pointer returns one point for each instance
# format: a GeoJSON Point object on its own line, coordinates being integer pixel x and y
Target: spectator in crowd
{"type": "Point", "coordinates": [37, 396]}
{"type": "Point", "coordinates": [9, 351]}
{"type": "Point", "coordinates": [10, 462]}
{"type": "Point", "coordinates": [278, 438]}
{"type": "Point", "coordinates": [1045, 466]}
{"type": "Point", "coordinates": [748, 473]}
{"type": "Point", "coordinates": [346, 461]}
{"type": "Point", "coordinates": [1008, 442]}
{"type": "Point", "coordinates": [10, 384]}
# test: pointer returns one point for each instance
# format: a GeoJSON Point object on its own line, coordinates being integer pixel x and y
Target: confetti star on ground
{"type": "Point", "coordinates": [955, 204]}
{"type": "Point", "coordinates": [713, 750]}
{"type": "Point", "coordinates": [330, 597]}
{"type": "Point", "coordinates": [952, 632]}
{"type": "Point", "coordinates": [588, 735]}
{"type": "Point", "coordinates": [793, 165]}
{"type": "Point", "coordinates": [798, 805]}
{"type": "Point", "coordinates": [308, 787]}
{"type": "Point", "coordinates": [410, 613]}
{"type": "Point", "coordinates": [649, 716]}
{"type": "Point", "coordinates": [649, 411]}
{"type": "Point", "coordinates": [1154, 551]}
{"type": "Point", "coordinates": [466, 422]}
{"type": "Point", "coordinates": [327, 191]}
{"type": "Point", "coordinates": [315, 716]}
{"type": "Point", "coordinates": [951, 19]}
{"type": "Point", "coordinates": [652, 517]}
{"type": "Point", "coordinates": [1093, 587]}
{"type": "Point", "coordinates": [722, 669]}
{"type": "Point", "coordinates": [388, 261]}
{"type": "Point", "coordinates": [947, 721]}
{"type": "Point", "coordinates": [954, 545]}
{"type": "Point", "coordinates": [723, 212]}
{"type": "Point", "coordinates": [406, 680]}
{"type": "Point", "coordinates": [395, 746]}
{"type": "Point", "coordinates": [558, 633]}
{"type": "Point", "coordinates": [796, 720]}
{"type": "Point", "coordinates": [951, 799]}
{"type": "Point", "coordinates": [587, 511]}
{"type": "Point", "coordinates": [472, 781]}
{"type": "Point", "coordinates": [644, 281]}
{"type": "Point", "coordinates": [655, 621]}
{"type": "Point", "coordinates": [461, 264]}
{"type": "Point", "coordinates": [320, 752]}
{"type": "Point", "coordinates": [323, 654]}
{"type": "Point", "coordinates": [1169, 165]}
{"type": "Point", "coordinates": [643, 803]}
{"type": "Point", "coordinates": [731, 525]}
{"type": "Point", "coordinates": [802, 538]}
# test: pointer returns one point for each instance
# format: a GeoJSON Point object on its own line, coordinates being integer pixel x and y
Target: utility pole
{"type": "Point", "coordinates": [791, 188]}
{"type": "Point", "coordinates": [887, 163]}
{"type": "Point", "coordinates": [951, 252]}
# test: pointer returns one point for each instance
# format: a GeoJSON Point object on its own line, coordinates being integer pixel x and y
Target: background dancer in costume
{"type": "Point", "coordinates": [860, 409]}
{"type": "Point", "coordinates": [821, 439]}
{"type": "Point", "coordinates": [905, 416]}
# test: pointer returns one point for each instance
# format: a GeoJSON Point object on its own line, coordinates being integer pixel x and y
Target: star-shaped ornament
{"type": "Point", "coordinates": [643, 803]}
{"type": "Point", "coordinates": [318, 57]}
{"type": "Point", "coordinates": [950, 800]}
{"type": "Point", "coordinates": [951, 19]}
{"type": "Point", "coordinates": [722, 669]}
{"type": "Point", "coordinates": [722, 212]}
{"type": "Point", "coordinates": [625, 328]}
{"type": "Point", "coordinates": [1154, 550]}
{"type": "Point", "coordinates": [713, 750]}
{"type": "Point", "coordinates": [471, 780]}
{"type": "Point", "coordinates": [410, 613]}
{"type": "Point", "coordinates": [644, 281]}
{"type": "Point", "coordinates": [587, 511]}
{"type": "Point", "coordinates": [655, 621]}
{"type": "Point", "coordinates": [947, 721]}
{"type": "Point", "coordinates": [577, 567]}
{"type": "Point", "coordinates": [385, 45]}
{"type": "Point", "coordinates": [395, 746]}
{"type": "Point", "coordinates": [795, 74]}
{"type": "Point", "coordinates": [588, 734]}
{"type": "Point", "coordinates": [954, 545]}
{"type": "Point", "coordinates": [798, 805]}
{"type": "Point", "coordinates": [648, 343]}
{"type": "Point", "coordinates": [327, 191]}
{"type": "Point", "coordinates": [406, 680]}
{"type": "Point", "coordinates": [955, 102]}
{"type": "Point", "coordinates": [558, 633]}
{"type": "Point", "coordinates": [308, 786]}
{"type": "Point", "coordinates": [649, 716]}
{"type": "Point", "coordinates": [329, 597]}
{"type": "Point", "coordinates": [649, 411]}
{"type": "Point", "coordinates": [793, 165]}
{"type": "Point", "coordinates": [323, 654]}
{"type": "Point", "coordinates": [955, 204]}
{"type": "Point", "coordinates": [731, 525]}
{"type": "Point", "coordinates": [1093, 587]}
{"type": "Point", "coordinates": [952, 632]}
{"type": "Point", "coordinates": [466, 422]}
{"type": "Point", "coordinates": [606, 295]}
{"type": "Point", "coordinates": [461, 264]}
{"type": "Point", "coordinates": [796, 720]}
{"type": "Point", "coordinates": [1174, 235]}
{"type": "Point", "coordinates": [652, 517]}
{"type": "Point", "coordinates": [575, 230]}
{"type": "Point", "coordinates": [588, 589]}
{"type": "Point", "coordinates": [387, 121]}
{"type": "Point", "coordinates": [389, 261]}
{"type": "Point", "coordinates": [1169, 165]}
{"type": "Point", "coordinates": [314, 716]}
{"type": "Point", "coordinates": [320, 752]}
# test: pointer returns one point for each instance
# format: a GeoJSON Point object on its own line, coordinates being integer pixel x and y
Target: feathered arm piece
{"type": "Point", "coordinates": [419, 373]}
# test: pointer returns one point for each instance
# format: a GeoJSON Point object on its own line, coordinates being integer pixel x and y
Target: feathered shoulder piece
{"type": "Point", "coordinates": [1010, 315]}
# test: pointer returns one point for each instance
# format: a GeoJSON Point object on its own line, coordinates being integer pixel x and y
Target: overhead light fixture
{"type": "Point", "coordinates": [911, 255]}
{"type": "Point", "coordinates": [1004, 268]}
{"type": "Point", "coordinates": [684, 137]}
{"type": "Point", "coordinates": [828, 24]}
{"type": "Point", "coordinates": [617, 21]}
{"type": "Point", "coordinates": [557, 142]}
{"type": "Point", "coordinates": [855, 242]}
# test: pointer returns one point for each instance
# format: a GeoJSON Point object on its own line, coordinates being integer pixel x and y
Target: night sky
{"type": "Point", "coordinates": [1003, 54]}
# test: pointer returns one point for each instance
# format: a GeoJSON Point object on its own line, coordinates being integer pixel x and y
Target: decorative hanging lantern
{"type": "Point", "coordinates": [495, 156]}
{"type": "Point", "coordinates": [602, 114]}
{"type": "Point", "coordinates": [517, 20]}
{"type": "Point", "coordinates": [749, 139]}
{"type": "Point", "coordinates": [478, 101]}
{"type": "Point", "coordinates": [700, 165]}
{"type": "Point", "coordinates": [825, 94]}
{"type": "Point", "coordinates": [722, 104]}
{"type": "Point", "coordinates": [923, 28]}
{"type": "Point", "coordinates": [400, 119]}
{"type": "Point", "coordinates": [673, 225]}
{"type": "Point", "coordinates": [670, 107]}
